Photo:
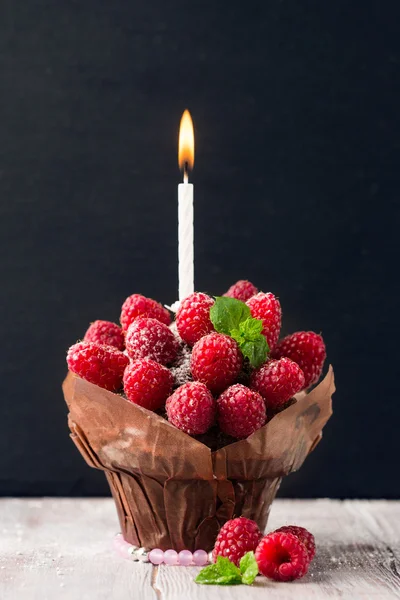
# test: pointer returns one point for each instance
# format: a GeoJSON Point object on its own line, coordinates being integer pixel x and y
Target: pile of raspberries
{"type": "Point", "coordinates": [283, 555]}
{"type": "Point", "coordinates": [191, 374]}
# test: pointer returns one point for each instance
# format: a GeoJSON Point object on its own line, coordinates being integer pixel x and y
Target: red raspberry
{"type": "Point", "coordinates": [241, 290]}
{"type": "Point", "coordinates": [107, 333]}
{"type": "Point", "coordinates": [277, 381]}
{"type": "Point", "coordinates": [282, 556]}
{"type": "Point", "coordinates": [147, 383]}
{"type": "Point", "coordinates": [193, 317]}
{"type": "Point", "coordinates": [148, 338]}
{"type": "Point", "coordinates": [235, 538]}
{"type": "Point", "coordinates": [101, 365]}
{"type": "Point", "coordinates": [241, 411]}
{"type": "Point", "coordinates": [267, 308]}
{"type": "Point", "coordinates": [140, 306]}
{"type": "Point", "coordinates": [216, 361]}
{"type": "Point", "coordinates": [191, 408]}
{"type": "Point", "coordinates": [307, 349]}
{"type": "Point", "coordinates": [304, 536]}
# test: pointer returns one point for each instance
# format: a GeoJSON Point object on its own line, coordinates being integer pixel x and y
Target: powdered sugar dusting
{"type": "Point", "coordinates": [181, 368]}
{"type": "Point", "coordinates": [174, 330]}
{"type": "Point", "coordinates": [174, 307]}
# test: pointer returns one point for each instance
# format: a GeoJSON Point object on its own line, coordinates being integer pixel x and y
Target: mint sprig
{"type": "Point", "coordinates": [226, 314]}
{"type": "Point", "coordinates": [248, 568]}
{"type": "Point", "coordinates": [233, 317]}
{"type": "Point", "coordinates": [224, 572]}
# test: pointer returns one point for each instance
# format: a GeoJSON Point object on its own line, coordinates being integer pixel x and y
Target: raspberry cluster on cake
{"type": "Point", "coordinates": [219, 363]}
{"type": "Point", "coordinates": [216, 374]}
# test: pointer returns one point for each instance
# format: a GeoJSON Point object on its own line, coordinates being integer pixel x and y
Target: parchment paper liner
{"type": "Point", "coordinates": [172, 491]}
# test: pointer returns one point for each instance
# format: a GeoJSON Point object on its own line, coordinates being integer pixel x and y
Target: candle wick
{"type": "Point", "coordinates": [185, 172]}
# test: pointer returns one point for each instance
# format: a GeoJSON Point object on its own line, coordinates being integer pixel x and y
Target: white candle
{"type": "Point", "coordinates": [185, 208]}
{"type": "Point", "coordinates": [185, 239]}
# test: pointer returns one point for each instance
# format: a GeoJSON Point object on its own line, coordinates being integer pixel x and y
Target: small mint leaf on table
{"type": "Point", "coordinates": [226, 314]}
{"type": "Point", "coordinates": [248, 568]}
{"type": "Point", "coordinates": [223, 572]}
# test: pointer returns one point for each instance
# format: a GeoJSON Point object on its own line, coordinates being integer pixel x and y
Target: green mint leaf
{"type": "Point", "coordinates": [251, 328]}
{"type": "Point", "coordinates": [226, 314]}
{"type": "Point", "coordinates": [233, 317]}
{"type": "Point", "coordinates": [238, 336]}
{"type": "Point", "coordinates": [255, 350]}
{"type": "Point", "coordinates": [223, 572]}
{"type": "Point", "coordinates": [248, 568]}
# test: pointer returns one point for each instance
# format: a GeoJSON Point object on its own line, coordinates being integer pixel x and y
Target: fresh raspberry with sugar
{"type": "Point", "coordinates": [193, 317]}
{"type": "Point", "coordinates": [304, 536]}
{"type": "Point", "coordinates": [267, 309]}
{"type": "Point", "coordinates": [149, 338]}
{"type": "Point", "coordinates": [307, 349]}
{"type": "Point", "coordinates": [101, 365]}
{"type": "Point", "coordinates": [191, 408]}
{"type": "Point", "coordinates": [277, 381]}
{"type": "Point", "coordinates": [282, 556]}
{"type": "Point", "coordinates": [235, 538]}
{"type": "Point", "coordinates": [105, 333]}
{"type": "Point", "coordinates": [240, 411]}
{"type": "Point", "coordinates": [216, 361]}
{"type": "Point", "coordinates": [242, 290]}
{"type": "Point", "coordinates": [139, 306]}
{"type": "Point", "coordinates": [147, 383]}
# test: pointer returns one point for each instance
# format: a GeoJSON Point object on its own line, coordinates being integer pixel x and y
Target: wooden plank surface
{"type": "Point", "coordinates": [62, 549]}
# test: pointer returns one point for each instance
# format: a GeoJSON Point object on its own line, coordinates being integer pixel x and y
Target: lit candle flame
{"type": "Point", "coordinates": [186, 144]}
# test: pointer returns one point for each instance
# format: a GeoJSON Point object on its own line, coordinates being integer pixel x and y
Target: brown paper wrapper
{"type": "Point", "coordinates": [171, 490]}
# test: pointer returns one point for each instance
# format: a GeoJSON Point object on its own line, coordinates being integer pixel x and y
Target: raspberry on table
{"type": "Point", "coordinates": [242, 290]}
{"type": "Point", "coordinates": [307, 349]}
{"type": "Point", "coordinates": [241, 411]}
{"type": "Point", "coordinates": [267, 308]}
{"type": "Point", "coordinates": [235, 538]}
{"type": "Point", "coordinates": [304, 536]}
{"type": "Point", "coordinates": [193, 317]}
{"type": "Point", "coordinates": [216, 361]}
{"type": "Point", "coordinates": [282, 556]}
{"type": "Point", "coordinates": [277, 381]}
{"type": "Point", "coordinates": [191, 408]}
{"type": "Point", "coordinates": [105, 333]}
{"type": "Point", "coordinates": [140, 306]}
{"type": "Point", "coordinates": [149, 338]}
{"type": "Point", "coordinates": [102, 365]}
{"type": "Point", "coordinates": [147, 383]}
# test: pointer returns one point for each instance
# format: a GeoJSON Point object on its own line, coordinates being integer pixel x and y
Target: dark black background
{"type": "Point", "coordinates": [296, 109]}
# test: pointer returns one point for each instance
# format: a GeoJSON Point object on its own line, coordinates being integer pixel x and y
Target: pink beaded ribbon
{"type": "Point", "coordinates": [185, 558]}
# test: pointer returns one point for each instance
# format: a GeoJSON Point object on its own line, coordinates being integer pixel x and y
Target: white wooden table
{"type": "Point", "coordinates": [62, 549]}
